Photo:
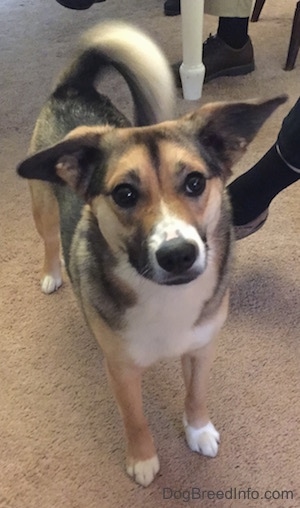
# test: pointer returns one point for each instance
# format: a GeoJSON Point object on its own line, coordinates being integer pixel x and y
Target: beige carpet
{"type": "Point", "coordinates": [61, 442]}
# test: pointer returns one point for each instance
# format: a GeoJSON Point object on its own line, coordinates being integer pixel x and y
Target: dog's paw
{"type": "Point", "coordinates": [49, 284]}
{"type": "Point", "coordinates": [144, 471]}
{"type": "Point", "coordinates": [204, 440]}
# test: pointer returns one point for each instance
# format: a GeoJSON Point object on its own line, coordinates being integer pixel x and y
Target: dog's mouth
{"type": "Point", "coordinates": [176, 280]}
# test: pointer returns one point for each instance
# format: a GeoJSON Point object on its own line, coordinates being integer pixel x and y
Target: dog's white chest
{"type": "Point", "coordinates": [161, 325]}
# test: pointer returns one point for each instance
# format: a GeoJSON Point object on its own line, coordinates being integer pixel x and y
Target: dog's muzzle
{"type": "Point", "coordinates": [174, 253]}
{"type": "Point", "coordinates": [177, 254]}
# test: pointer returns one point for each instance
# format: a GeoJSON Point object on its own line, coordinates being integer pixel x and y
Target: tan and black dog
{"type": "Point", "coordinates": [144, 222]}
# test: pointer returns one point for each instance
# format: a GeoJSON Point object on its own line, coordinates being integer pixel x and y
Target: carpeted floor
{"type": "Point", "coordinates": [61, 442]}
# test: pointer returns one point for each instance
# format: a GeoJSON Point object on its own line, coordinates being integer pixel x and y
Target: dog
{"type": "Point", "coordinates": [144, 221]}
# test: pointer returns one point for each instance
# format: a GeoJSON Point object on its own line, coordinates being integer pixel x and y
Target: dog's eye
{"type": "Point", "coordinates": [125, 195]}
{"type": "Point", "coordinates": [194, 184]}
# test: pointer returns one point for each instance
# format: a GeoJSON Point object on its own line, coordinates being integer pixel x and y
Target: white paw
{"type": "Point", "coordinates": [204, 440]}
{"type": "Point", "coordinates": [144, 471]}
{"type": "Point", "coordinates": [50, 284]}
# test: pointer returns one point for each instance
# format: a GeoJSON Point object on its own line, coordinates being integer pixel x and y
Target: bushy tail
{"type": "Point", "coordinates": [139, 60]}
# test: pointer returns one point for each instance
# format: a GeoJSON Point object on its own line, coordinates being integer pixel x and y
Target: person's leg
{"type": "Point", "coordinates": [230, 51]}
{"type": "Point", "coordinates": [172, 7]}
{"type": "Point", "coordinates": [226, 8]}
{"type": "Point", "coordinates": [252, 193]}
{"type": "Point", "coordinates": [233, 31]}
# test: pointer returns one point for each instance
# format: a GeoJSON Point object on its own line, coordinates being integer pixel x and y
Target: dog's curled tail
{"type": "Point", "coordinates": [140, 61]}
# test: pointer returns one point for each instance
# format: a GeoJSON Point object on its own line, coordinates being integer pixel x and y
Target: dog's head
{"type": "Point", "coordinates": [156, 191]}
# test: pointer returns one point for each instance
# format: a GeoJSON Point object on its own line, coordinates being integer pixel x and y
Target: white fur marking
{"type": "Point", "coordinates": [144, 471]}
{"type": "Point", "coordinates": [161, 324]}
{"type": "Point", "coordinates": [170, 227]}
{"type": "Point", "coordinates": [204, 440]}
{"type": "Point", "coordinates": [49, 284]}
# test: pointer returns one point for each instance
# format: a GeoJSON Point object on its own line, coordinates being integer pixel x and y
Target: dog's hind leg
{"type": "Point", "coordinates": [46, 218]}
{"type": "Point", "coordinates": [142, 460]}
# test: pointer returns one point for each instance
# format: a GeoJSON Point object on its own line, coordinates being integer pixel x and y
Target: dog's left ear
{"type": "Point", "coordinates": [72, 162]}
{"type": "Point", "coordinates": [224, 130]}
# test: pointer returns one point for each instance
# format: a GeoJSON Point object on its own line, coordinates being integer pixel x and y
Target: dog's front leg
{"type": "Point", "coordinates": [142, 460]}
{"type": "Point", "coordinates": [200, 433]}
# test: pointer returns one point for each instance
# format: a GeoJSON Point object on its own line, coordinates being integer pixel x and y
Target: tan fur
{"type": "Point", "coordinates": [206, 211]}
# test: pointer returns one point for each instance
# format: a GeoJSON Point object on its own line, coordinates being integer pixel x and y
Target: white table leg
{"type": "Point", "coordinates": [192, 70]}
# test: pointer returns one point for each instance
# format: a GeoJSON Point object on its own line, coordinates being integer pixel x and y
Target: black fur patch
{"type": "Point", "coordinates": [138, 254]}
{"type": "Point", "coordinates": [151, 141]}
{"type": "Point", "coordinates": [94, 278]}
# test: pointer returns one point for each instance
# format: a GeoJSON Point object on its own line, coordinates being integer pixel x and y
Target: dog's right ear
{"type": "Point", "coordinates": [72, 162]}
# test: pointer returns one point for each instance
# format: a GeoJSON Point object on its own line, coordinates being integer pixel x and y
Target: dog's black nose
{"type": "Point", "coordinates": [177, 255]}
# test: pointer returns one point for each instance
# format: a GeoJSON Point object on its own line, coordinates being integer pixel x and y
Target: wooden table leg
{"type": "Point", "coordinates": [294, 41]}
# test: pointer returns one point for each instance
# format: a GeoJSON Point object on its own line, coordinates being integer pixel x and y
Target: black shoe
{"type": "Point", "coordinates": [172, 7]}
{"type": "Point", "coordinates": [78, 5]}
{"type": "Point", "coordinates": [248, 229]}
{"type": "Point", "coordinates": [222, 60]}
